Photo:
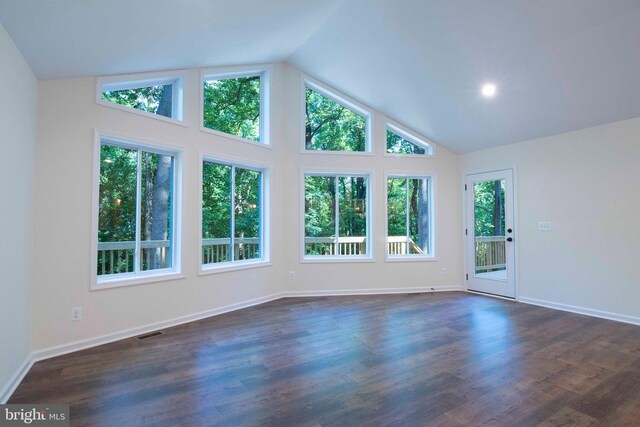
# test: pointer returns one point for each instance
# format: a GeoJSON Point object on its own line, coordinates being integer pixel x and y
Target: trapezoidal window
{"type": "Point", "coordinates": [333, 124]}
{"type": "Point", "coordinates": [401, 143]}
{"type": "Point", "coordinates": [236, 105]}
{"type": "Point", "coordinates": [160, 97]}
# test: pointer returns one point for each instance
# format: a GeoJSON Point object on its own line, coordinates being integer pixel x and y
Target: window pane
{"type": "Point", "coordinates": [397, 216]}
{"type": "Point", "coordinates": [216, 213]}
{"type": "Point", "coordinates": [419, 216]}
{"type": "Point", "coordinates": [320, 215]}
{"type": "Point", "coordinates": [233, 106]}
{"type": "Point", "coordinates": [247, 214]}
{"type": "Point", "coordinates": [399, 145]}
{"type": "Point", "coordinates": [152, 99]}
{"type": "Point", "coordinates": [331, 126]}
{"type": "Point", "coordinates": [352, 198]}
{"type": "Point", "coordinates": [155, 211]}
{"type": "Point", "coordinates": [117, 210]}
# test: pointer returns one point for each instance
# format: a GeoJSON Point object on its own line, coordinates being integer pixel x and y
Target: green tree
{"type": "Point", "coordinates": [332, 126]}
{"type": "Point", "coordinates": [233, 106]}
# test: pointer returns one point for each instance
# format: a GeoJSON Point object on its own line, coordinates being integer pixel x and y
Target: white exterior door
{"type": "Point", "coordinates": [490, 234]}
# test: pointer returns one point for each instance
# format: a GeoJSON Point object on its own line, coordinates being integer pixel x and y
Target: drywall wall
{"type": "Point", "coordinates": [68, 116]}
{"type": "Point", "coordinates": [586, 184]}
{"type": "Point", "coordinates": [17, 142]}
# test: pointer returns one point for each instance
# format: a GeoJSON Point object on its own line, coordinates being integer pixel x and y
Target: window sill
{"type": "Point", "coordinates": [337, 153]}
{"type": "Point", "coordinates": [140, 113]}
{"type": "Point", "coordinates": [410, 156]}
{"type": "Point", "coordinates": [231, 266]}
{"type": "Point", "coordinates": [234, 137]}
{"type": "Point", "coordinates": [335, 259]}
{"type": "Point", "coordinates": [135, 280]}
{"type": "Point", "coordinates": [410, 258]}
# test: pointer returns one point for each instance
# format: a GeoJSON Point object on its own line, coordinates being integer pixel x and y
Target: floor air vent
{"type": "Point", "coordinates": [149, 335]}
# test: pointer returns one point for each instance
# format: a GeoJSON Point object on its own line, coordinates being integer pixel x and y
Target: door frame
{"type": "Point", "coordinates": [516, 226]}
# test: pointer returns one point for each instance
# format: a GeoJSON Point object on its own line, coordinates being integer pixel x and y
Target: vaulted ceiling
{"type": "Point", "coordinates": [558, 65]}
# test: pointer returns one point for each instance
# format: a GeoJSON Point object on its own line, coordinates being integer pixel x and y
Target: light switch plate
{"type": "Point", "coordinates": [545, 226]}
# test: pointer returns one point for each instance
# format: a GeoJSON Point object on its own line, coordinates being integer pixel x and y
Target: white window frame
{"type": "Point", "coordinates": [369, 256]}
{"type": "Point", "coordinates": [264, 71]}
{"type": "Point", "coordinates": [345, 101]}
{"type": "Point", "coordinates": [411, 136]}
{"type": "Point", "coordinates": [431, 180]}
{"type": "Point", "coordinates": [132, 81]}
{"type": "Point", "coordinates": [139, 277]}
{"type": "Point", "coordinates": [265, 209]}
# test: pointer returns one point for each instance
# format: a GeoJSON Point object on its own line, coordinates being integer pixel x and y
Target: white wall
{"type": "Point", "coordinates": [68, 115]}
{"type": "Point", "coordinates": [586, 184]}
{"type": "Point", "coordinates": [17, 143]}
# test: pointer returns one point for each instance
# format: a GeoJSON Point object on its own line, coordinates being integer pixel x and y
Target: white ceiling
{"type": "Point", "coordinates": [559, 65]}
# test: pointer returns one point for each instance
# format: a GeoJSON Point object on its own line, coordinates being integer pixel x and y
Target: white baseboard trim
{"type": "Point", "coordinates": [371, 291]}
{"type": "Point", "coordinates": [62, 349]}
{"type": "Point", "coordinates": [16, 379]}
{"type": "Point", "coordinates": [582, 310]}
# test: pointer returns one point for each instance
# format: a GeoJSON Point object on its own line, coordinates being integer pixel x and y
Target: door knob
{"type": "Point", "coordinates": [509, 239]}
{"type": "Point", "coordinates": [509, 230]}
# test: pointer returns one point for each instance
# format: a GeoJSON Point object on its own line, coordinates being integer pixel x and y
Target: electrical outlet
{"type": "Point", "coordinates": [443, 271]}
{"type": "Point", "coordinates": [292, 275]}
{"type": "Point", "coordinates": [76, 314]}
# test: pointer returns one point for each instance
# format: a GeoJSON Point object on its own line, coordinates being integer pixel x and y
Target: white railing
{"type": "Point", "coordinates": [396, 245]}
{"type": "Point", "coordinates": [327, 246]}
{"type": "Point", "coordinates": [490, 253]}
{"type": "Point", "coordinates": [118, 257]}
{"type": "Point", "coordinates": [218, 250]}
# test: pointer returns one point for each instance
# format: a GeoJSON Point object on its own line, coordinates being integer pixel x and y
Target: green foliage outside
{"type": "Point", "coordinates": [233, 106]}
{"type": "Point", "coordinates": [489, 208]}
{"type": "Point", "coordinates": [321, 209]}
{"type": "Point", "coordinates": [117, 197]}
{"type": "Point", "coordinates": [216, 205]}
{"type": "Point", "coordinates": [413, 208]}
{"type": "Point", "coordinates": [145, 99]}
{"type": "Point", "coordinates": [398, 145]}
{"type": "Point", "coordinates": [331, 126]}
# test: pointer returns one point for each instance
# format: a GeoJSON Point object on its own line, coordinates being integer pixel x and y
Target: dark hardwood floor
{"type": "Point", "coordinates": [444, 359]}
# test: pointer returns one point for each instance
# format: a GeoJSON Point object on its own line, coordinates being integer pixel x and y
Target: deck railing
{"type": "Point", "coordinates": [118, 257]}
{"type": "Point", "coordinates": [490, 253]}
{"type": "Point", "coordinates": [218, 250]}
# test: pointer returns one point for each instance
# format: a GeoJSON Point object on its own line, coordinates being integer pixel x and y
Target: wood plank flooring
{"type": "Point", "coordinates": [441, 359]}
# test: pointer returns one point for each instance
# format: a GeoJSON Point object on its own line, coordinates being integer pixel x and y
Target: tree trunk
{"type": "Point", "coordinates": [165, 106]}
{"type": "Point", "coordinates": [161, 191]}
{"type": "Point", "coordinates": [423, 216]}
{"type": "Point", "coordinates": [498, 207]}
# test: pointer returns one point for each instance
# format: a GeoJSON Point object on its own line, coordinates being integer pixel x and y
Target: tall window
{"type": "Point", "coordinates": [332, 124]}
{"type": "Point", "coordinates": [409, 218]}
{"type": "Point", "coordinates": [400, 142]}
{"type": "Point", "coordinates": [236, 105]}
{"type": "Point", "coordinates": [336, 210]}
{"type": "Point", "coordinates": [159, 97]}
{"type": "Point", "coordinates": [136, 220]}
{"type": "Point", "coordinates": [232, 213]}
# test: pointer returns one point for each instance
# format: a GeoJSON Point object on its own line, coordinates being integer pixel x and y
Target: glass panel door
{"type": "Point", "coordinates": [490, 235]}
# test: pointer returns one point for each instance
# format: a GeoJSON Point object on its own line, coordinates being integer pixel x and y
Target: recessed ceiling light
{"type": "Point", "coordinates": [489, 90]}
